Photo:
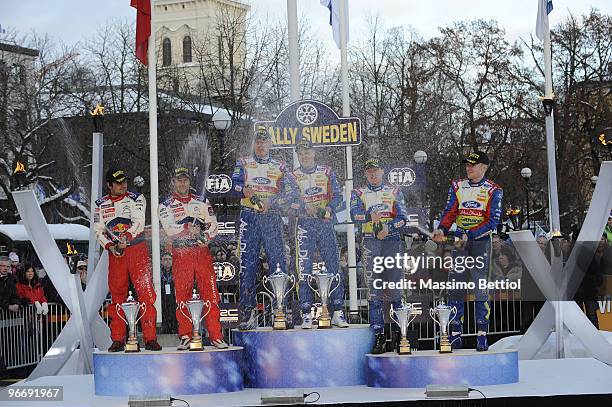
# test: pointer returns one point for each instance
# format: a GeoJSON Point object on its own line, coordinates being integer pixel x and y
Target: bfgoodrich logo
{"type": "Point", "coordinates": [218, 184]}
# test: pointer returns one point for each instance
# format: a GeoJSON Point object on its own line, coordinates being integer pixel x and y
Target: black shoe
{"type": "Point", "coordinates": [117, 346]}
{"type": "Point", "coordinates": [153, 345]}
{"type": "Point", "coordinates": [379, 344]}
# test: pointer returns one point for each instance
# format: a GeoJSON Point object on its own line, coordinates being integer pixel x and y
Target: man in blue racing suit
{"type": "Point", "coordinates": [261, 182]}
{"type": "Point", "coordinates": [319, 194]}
{"type": "Point", "coordinates": [474, 204]}
{"type": "Point", "coordinates": [380, 209]}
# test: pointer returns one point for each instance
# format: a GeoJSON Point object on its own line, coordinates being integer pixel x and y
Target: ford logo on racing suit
{"type": "Point", "coordinates": [312, 190]}
{"type": "Point", "coordinates": [471, 204]}
{"type": "Point", "coordinates": [261, 180]}
{"type": "Point", "coordinates": [378, 208]}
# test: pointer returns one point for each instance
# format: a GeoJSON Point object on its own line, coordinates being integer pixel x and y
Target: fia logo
{"type": "Point", "coordinates": [218, 183]}
{"type": "Point", "coordinates": [225, 271]}
{"type": "Point", "coordinates": [226, 228]}
{"type": "Point", "coordinates": [401, 177]}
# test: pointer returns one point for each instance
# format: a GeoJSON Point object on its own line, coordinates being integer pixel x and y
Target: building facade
{"type": "Point", "coordinates": [17, 66]}
{"type": "Point", "coordinates": [198, 40]}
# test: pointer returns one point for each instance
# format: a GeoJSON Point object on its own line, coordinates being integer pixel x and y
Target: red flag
{"type": "Point", "coordinates": [143, 28]}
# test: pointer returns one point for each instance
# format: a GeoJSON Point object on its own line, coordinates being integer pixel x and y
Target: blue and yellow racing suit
{"type": "Point", "coordinates": [268, 179]}
{"type": "Point", "coordinates": [389, 202]}
{"type": "Point", "coordinates": [476, 210]}
{"type": "Point", "coordinates": [318, 187]}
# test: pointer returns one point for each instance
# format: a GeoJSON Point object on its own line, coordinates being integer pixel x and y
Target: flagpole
{"type": "Point", "coordinates": [348, 184]}
{"type": "Point", "coordinates": [550, 136]}
{"type": "Point", "coordinates": [294, 58]}
{"type": "Point", "coordinates": [553, 197]}
{"type": "Point", "coordinates": [153, 164]}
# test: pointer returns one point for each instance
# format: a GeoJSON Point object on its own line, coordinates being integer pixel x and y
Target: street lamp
{"type": "Point", "coordinates": [526, 174]}
{"type": "Point", "coordinates": [420, 157]}
{"type": "Point", "coordinates": [139, 182]}
{"type": "Point", "coordinates": [221, 123]}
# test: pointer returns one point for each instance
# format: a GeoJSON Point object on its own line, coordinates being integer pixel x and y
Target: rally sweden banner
{"type": "Point", "coordinates": [312, 120]}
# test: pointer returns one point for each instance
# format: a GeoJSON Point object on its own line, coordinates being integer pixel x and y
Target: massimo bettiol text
{"type": "Point", "coordinates": [457, 264]}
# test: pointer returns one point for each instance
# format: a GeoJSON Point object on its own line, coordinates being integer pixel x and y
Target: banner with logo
{"type": "Point", "coordinates": [227, 228]}
{"type": "Point", "coordinates": [408, 177]}
{"type": "Point", "coordinates": [227, 273]}
{"type": "Point", "coordinates": [314, 121]}
{"type": "Point", "coordinates": [218, 185]}
{"type": "Point", "coordinates": [411, 179]}
{"type": "Point", "coordinates": [229, 314]}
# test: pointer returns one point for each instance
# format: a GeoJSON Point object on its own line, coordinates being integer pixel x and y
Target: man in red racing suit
{"type": "Point", "coordinates": [119, 220]}
{"type": "Point", "coordinates": [190, 222]}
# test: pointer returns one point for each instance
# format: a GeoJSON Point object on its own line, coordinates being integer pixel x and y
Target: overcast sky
{"type": "Point", "coordinates": [75, 20]}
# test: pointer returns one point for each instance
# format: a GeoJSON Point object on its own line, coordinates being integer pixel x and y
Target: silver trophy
{"type": "Point", "coordinates": [324, 282]}
{"type": "Point", "coordinates": [405, 315]}
{"type": "Point", "coordinates": [278, 280]}
{"type": "Point", "coordinates": [443, 313]}
{"type": "Point", "coordinates": [195, 306]}
{"type": "Point", "coordinates": [131, 308]}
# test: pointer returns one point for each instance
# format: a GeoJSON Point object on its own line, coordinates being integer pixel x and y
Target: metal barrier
{"type": "Point", "coordinates": [26, 336]}
{"type": "Point", "coordinates": [505, 314]}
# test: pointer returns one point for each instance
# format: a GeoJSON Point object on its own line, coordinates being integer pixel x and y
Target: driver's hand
{"type": "Point", "coordinates": [383, 233]}
{"type": "Point", "coordinates": [248, 192]}
{"type": "Point", "coordinates": [311, 210]}
{"type": "Point", "coordinates": [195, 230]}
{"type": "Point", "coordinates": [438, 236]}
{"type": "Point", "coordinates": [376, 217]}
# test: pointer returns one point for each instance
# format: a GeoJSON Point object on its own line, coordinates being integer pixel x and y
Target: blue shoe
{"type": "Point", "coordinates": [248, 320]}
{"type": "Point", "coordinates": [481, 343]}
{"type": "Point", "coordinates": [455, 341]}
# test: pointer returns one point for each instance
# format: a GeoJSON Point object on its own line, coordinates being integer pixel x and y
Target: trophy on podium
{"type": "Point", "coordinates": [195, 306]}
{"type": "Point", "coordinates": [324, 283]}
{"type": "Point", "coordinates": [278, 280]}
{"type": "Point", "coordinates": [131, 308]}
{"type": "Point", "coordinates": [443, 313]}
{"type": "Point", "coordinates": [405, 315]}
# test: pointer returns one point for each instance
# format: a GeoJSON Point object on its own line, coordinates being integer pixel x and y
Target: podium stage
{"type": "Point", "coordinates": [542, 383]}
{"type": "Point", "coordinates": [464, 366]}
{"type": "Point", "coordinates": [305, 357]}
{"type": "Point", "coordinates": [168, 371]}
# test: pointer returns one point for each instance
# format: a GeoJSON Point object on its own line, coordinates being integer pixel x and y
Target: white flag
{"type": "Point", "coordinates": [334, 18]}
{"type": "Point", "coordinates": [544, 9]}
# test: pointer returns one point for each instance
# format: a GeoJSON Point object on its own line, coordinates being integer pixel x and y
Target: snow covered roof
{"type": "Point", "coordinates": [65, 231]}
{"type": "Point", "coordinates": [78, 104]}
